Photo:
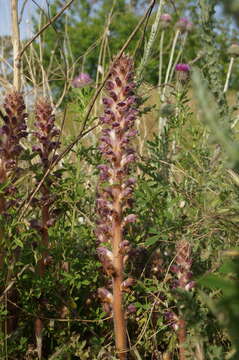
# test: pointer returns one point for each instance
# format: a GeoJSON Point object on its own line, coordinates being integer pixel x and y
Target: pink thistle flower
{"type": "Point", "coordinates": [82, 80]}
{"type": "Point", "coordinates": [184, 25]}
{"type": "Point", "coordinates": [182, 67]}
{"type": "Point", "coordinates": [183, 71]}
{"type": "Point", "coordinates": [165, 19]}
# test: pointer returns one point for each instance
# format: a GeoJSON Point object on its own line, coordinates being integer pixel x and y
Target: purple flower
{"type": "Point", "coordinates": [105, 295]}
{"type": "Point", "coordinates": [116, 185]}
{"type": "Point", "coordinates": [165, 19]}
{"type": "Point", "coordinates": [183, 71]}
{"type": "Point", "coordinates": [131, 308]}
{"type": "Point", "coordinates": [81, 80]}
{"type": "Point", "coordinates": [182, 67]}
{"type": "Point", "coordinates": [184, 25]}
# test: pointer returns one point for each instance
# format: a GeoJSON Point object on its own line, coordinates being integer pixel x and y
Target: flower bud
{"type": "Point", "coordinates": [184, 25]}
{"type": "Point", "coordinates": [182, 71]}
{"type": "Point", "coordinates": [165, 21]}
{"type": "Point", "coordinates": [233, 50]}
{"type": "Point", "coordinates": [105, 295]}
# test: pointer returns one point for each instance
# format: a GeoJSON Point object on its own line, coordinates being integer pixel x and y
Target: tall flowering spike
{"type": "Point", "coordinates": [47, 138]}
{"type": "Point", "coordinates": [11, 133]}
{"type": "Point", "coordinates": [182, 267]}
{"type": "Point", "coordinates": [13, 130]}
{"type": "Point", "coordinates": [46, 133]}
{"type": "Point", "coordinates": [182, 270]}
{"type": "Point", "coordinates": [120, 111]}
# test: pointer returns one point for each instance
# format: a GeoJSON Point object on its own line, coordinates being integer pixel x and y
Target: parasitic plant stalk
{"type": "Point", "coordinates": [182, 270]}
{"type": "Point", "coordinates": [120, 111]}
{"type": "Point", "coordinates": [13, 130]}
{"type": "Point", "coordinates": [46, 134]}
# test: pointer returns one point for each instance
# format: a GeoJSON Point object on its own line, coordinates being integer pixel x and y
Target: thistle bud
{"type": "Point", "coordinates": [165, 21]}
{"type": "Point", "coordinates": [184, 25]}
{"type": "Point", "coordinates": [167, 110]}
{"type": "Point", "coordinates": [182, 71]}
{"type": "Point", "coordinates": [233, 50]}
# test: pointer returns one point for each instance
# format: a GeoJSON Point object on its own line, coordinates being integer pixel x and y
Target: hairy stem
{"type": "Point", "coordinates": [182, 339]}
{"type": "Point", "coordinates": [118, 312]}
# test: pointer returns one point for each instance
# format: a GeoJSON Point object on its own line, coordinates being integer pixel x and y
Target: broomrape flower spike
{"type": "Point", "coordinates": [11, 133]}
{"type": "Point", "coordinates": [182, 270]}
{"type": "Point", "coordinates": [120, 111]}
{"type": "Point", "coordinates": [13, 130]}
{"type": "Point", "coordinates": [47, 135]}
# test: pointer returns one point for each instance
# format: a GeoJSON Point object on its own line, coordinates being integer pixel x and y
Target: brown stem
{"type": "Point", "coordinates": [41, 268]}
{"type": "Point", "coordinates": [45, 241]}
{"type": "Point", "coordinates": [118, 311]}
{"type": "Point", "coordinates": [182, 339]}
{"type": "Point", "coordinates": [2, 209]}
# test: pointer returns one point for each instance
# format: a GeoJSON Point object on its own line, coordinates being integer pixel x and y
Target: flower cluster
{"type": "Point", "coordinates": [46, 148]}
{"type": "Point", "coordinates": [182, 267]}
{"type": "Point", "coordinates": [45, 123]}
{"type": "Point", "coordinates": [183, 281]}
{"type": "Point", "coordinates": [120, 111]}
{"type": "Point", "coordinates": [13, 130]}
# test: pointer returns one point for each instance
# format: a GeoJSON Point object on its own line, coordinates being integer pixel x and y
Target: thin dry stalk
{"type": "Point", "coordinates": [16, 46]}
